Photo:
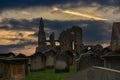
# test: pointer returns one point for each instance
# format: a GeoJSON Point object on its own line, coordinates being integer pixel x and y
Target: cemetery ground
{"type": "Point", "coordinates": [49, 74]}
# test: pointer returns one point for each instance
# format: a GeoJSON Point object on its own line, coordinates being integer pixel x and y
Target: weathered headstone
{"type": "Point", "coordinates": [14, 69]}
{"type": "Point", "coordinates": [37, 62]}
{"type": "Point", "coordinates": [23, 56]}
{"type": "Point", "coordinates": [5, 55]}
{"type": "Point", "coordinates": [62, 63]}
{"type": "Point", "coordinates": [50, 58]}
{"type": "Point", "coordinates": [87, 60]}
{"type": "Point", "coordinates": [112, 60]}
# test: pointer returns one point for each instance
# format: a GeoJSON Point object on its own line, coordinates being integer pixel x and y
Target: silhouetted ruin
{"type": "Point", "coordinates": [71, 39]}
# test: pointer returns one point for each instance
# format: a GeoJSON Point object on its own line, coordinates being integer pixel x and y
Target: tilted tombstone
{"type": "Point", "coordinates": [14, 69]}
{"type": "Point", "coordinates": [37, 62]}
{"type": "Point", "coordinates": [50, 58]}
{"type": "Point", "coordinates": [62, 63]}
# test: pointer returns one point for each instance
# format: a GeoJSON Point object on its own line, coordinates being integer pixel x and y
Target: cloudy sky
{"type": "Point", "coordinates": [19, 20]}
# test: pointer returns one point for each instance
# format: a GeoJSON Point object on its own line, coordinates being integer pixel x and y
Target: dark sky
{"type": "Point", "coordinates": [19, 20]}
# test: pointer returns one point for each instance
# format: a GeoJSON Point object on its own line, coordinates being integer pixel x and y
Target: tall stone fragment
{"type": "Point", "coordinates": [52, 40]}
{"type": "Point", "coordinates": [115, 38]}
{"type": "Point", "coordinates": [41, 36]}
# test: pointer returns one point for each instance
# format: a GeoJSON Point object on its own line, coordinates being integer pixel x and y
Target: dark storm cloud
{"type": "Point", "coordinates": [18, 24]}
{"type": "Point", "coordinates": [28, 3]}
{"type": "Point", "coordinates": [93, 31]}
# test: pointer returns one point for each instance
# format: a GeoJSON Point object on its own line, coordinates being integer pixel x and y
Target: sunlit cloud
{"type": "Point", "coordinates": [75, 13]}
{"type": "Point", "coordinates": [79, 14]}
{"type": "Point", "coordinates": [27, 50]}
{"type": "Point", "coordinates": [49, 31]}
{"type": "Point", "coordinates": [105, 44]}
{"type": "Point", "coordinates": [26, 13]}
{"type": "Point", "coordinates": [8, 37]}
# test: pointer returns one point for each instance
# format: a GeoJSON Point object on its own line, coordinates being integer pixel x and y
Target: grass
{"type": "Point", "coordinates": [49, 74]}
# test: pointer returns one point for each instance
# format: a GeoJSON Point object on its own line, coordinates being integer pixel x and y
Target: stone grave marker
{"type": "Point", "coordinates": [62, 63]}
{"type": "Point", "coordinates": [14, 69]}
{"type": "Point", "coordinates": [37, 62]}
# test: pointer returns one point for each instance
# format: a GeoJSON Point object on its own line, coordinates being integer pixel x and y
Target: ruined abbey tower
{"type": "Point", "coordinates": [71, 39]}
{"type": "Point", "coordinates": [41, 36]}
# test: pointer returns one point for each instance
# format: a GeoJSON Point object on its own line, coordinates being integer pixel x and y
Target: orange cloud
{"type": "Point", "coordinates": [13, 37]}
{"type": "Point", "coordinates": [27, 50]}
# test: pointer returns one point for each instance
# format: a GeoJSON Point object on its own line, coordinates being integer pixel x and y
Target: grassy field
{"type": "Point", "coordinates": [49, 74]}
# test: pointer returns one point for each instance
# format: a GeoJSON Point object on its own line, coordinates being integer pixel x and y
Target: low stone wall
{"type": "Point", "coordinates": [95, 73]}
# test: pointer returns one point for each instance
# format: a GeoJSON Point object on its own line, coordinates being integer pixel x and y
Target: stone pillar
{"type": "Point", "coordinates": [52, 40]}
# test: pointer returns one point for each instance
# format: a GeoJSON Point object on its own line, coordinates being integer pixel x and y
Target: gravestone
{"type": "Point", "coordinates": [50, 58]}
{"type": "Point", "coordinates": [87, 60]}
{"type": "Point", "coordinates": [62, 63]}
{"type": "Point", "coordinates": [112, 60]}
{"type": "Point", "coordinates": [14, 69]}
{"type": "Point", "coordinates": [37, 62]}
{"type": "Point", "coordinates": [23, 56]}
{"type": "Point", "coordinates": [5, 55]}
